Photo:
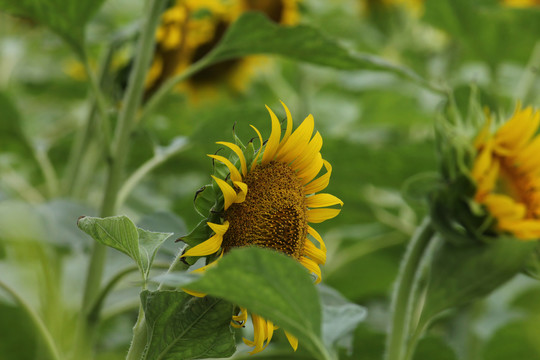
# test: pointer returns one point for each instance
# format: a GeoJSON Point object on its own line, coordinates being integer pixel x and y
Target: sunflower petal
{"type": "Point", "coordinates": [239, 321]}
{"type": "Point", "coordinates": [236, 149]}
{"type": "Point", "coordinates": [292, 340]}
{"type": "Point", "coordinates": [321, 182]}
{"type": "Point", "coordinates": [314, 253]}
{"type": "Point", "coordinates": [310, 172]}
{"type": "Point", "coordinates": [254, 163]}
{"type": "Point", "coordinates": [322, 200]}
{"type": "Point", "coordinates": [241, 196]}
{"type": "Point", "coordinates": [297, 142]}
{"type": "Point", "coordinates": [208, 247]}
{"type": "Point", "coordinates": [311, 231]}
{"type": "Point", "coordinates": [235, 174]}
{"type": "Point", "coordinates": [219, 229]}
{"type": "Point", "coordinates": [288, 131]}
{"type": "Point", "coordinates": [312, 267]}
{"type": "Point", "coordinates": [320, 215]}
{"type": "Point", "coordinates": [229, 195]}
{"type": "Point", "coordinates": [194, 293]}
{"type": "Point", "coordinates": [311, 151]}
{"type": "Point", "coordinates": [273, 142]}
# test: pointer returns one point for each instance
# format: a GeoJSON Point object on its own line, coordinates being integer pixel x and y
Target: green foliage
{"type": "Point", "coordinates": [254, 33]}
{"type": "Point", "coordinates": [67, 18]}
{"type": "Point", "coordinates": [271, 285]}
{"type": "Point", "coordinates": [460, 274]}
{"type": "Point", "coordinates": [120, 233]}
{"type": "Point", "coordinates": [181, 326]}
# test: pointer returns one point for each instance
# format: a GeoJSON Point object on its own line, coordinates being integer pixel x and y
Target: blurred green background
{"type": "Point", "coordinates": [378, 135]}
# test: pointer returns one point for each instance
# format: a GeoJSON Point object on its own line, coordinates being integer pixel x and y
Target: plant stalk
{"type": "Point", "coordinates": [403, 293]}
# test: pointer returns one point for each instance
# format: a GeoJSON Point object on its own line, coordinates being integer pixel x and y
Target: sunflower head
{"type": "Point", "coordinates": [266, 196]}
{"type": "Point", "coordinates": [491, 179]}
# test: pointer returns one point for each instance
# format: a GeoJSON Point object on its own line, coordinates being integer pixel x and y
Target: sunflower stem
{"type": "Point", "coordinates": [398, 346]}
{"type": "Point", "coordinates": [118, 158]}
{"type": "Point", "coordinates": [42, 331]}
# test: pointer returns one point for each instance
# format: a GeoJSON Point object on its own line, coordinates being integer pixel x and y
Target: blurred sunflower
{"type": "Point", "coordinates": [190, 29]}
{"type": "Point", "coordinates": [507, 173]}
{"type": "Point", "coordinates": [269, 202]}
{"type": "Point", "coordinates": [521, 3]}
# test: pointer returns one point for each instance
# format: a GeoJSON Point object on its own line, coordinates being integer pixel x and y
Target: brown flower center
{"type": "Point", "coordinates": [274, 214]}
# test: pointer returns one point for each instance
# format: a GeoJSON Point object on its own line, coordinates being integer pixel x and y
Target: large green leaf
{"type": "Point", "coordinates": [460, 274]}
{"type": "Point", "coordinates": [67, 18]}
{"type": "Point", "coordinates": [181, 326]}
{"type": "Point", "coordinates": [271, 285]}
{"type": "Point", "coordinates": [254, 33]}
{"type": "Point", "coordinates": [120, 233]}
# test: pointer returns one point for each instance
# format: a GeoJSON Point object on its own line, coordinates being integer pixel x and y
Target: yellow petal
{"type": "Point", "coordinates": [483, 162]}
{"type": "Point", "coordinates": [219, 229]}
{"type": "Point", "coordinates": [288, 131]}
{"type": "Point", "coordinates": [320, 215]}
{"type": "Point", "coordinates": [254, 163]}
{"type": "Point", "coordinates": [322, 200]}
{"type": "Point", "coordinates": [208, 247]}
{"type": "Point", "coordinates": [311, 231]}
{"type": "Point", "coordinates": [239, 320]}
{"type": "Point", "coordinates": [236, 149]}
{"type": "Point", "coordinates": [309, 172]}
{"type": "Point", "coordinates": [321, 182]}
{"type": "Point", "coordinates": [292, 340]}
{"type": "Point", "coordinates": [203, 269]}
{"type": "Point", "coordinates": [194, 293]}
{"type": "Point", "coordinates": [241, 196]}
{"type": "Point", "coordinates": [310, 152]}
{"type": "Point", "coordinates": [312, 267]}
{"type": "Point", "coordinates": [297, 142]}
{"type": "Point", "coordinates": [314, 253]}
{"type": "Point", "coordinates": [229, 195]}
{"type": "Point", "coordinates": [273, 141]}
{"type": "Point", "coordinates": [235, 174]}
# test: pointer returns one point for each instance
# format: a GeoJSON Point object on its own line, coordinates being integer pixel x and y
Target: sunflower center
{"type": "Point", "coordinates": [274, 214]}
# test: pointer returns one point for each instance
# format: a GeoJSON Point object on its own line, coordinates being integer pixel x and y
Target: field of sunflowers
{"type": "Point", "coordinates": [269, 179]}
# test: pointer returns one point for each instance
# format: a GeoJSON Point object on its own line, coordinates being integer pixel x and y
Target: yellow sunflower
{"type": "Point", "coordinates": [521, 3]}
{"type": "Point", "coordinates": [507, 173]}
{"type": "Point", "coordinates": [270, 203]}
{"type": "Point", "coordinates": [190, 29]}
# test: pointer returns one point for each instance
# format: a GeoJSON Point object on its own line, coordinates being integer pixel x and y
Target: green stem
{"type": "Point", "coordinates": [171, 83]}
{"type": "Point", "coordinates": [38, 323]}
{"type": "Point", "coordinates": [138, 344]}
{"type": "Point", "coordinates": [47, 168]}
{"type": "Point", "coordinates": [402, 296]}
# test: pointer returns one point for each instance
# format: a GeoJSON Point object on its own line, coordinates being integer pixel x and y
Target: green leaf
{"type": "Point", "coordinates": [460, 274]}
{"type": "Point", "coordinates": [340, 317]}
{"type": "Point", "coordinates": [254, 33]}
{"type": "Point", "coordinates": [11, 132]}
{"type": "Point", "coordinates": [205, 198]}
{"type": "Point", "coordinates": [67, 18]}
{"type": "Point", "coordinates": [271, 285]}
{"type": "Point", "coordinates": [517, 340]}
{"type": "Point", "coordinates": [181, 326]}
{"type": "Point", "coordinates": [120, 233]}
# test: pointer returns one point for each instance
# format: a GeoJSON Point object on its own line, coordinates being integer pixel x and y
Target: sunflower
{"type": "Point", "coordinates": [507, 173]}
{"type": "Point", "coordinates": [190, 29]}
{"type": "Point", "coordinates": [521, 3]}
{"type": "Point", "coordinates": [269, 202]}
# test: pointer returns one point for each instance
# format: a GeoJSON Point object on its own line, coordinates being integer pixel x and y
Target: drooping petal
{"type": "Point", "coordinates": [311, 231]}
{"type": "Point", "coordinates": [194, 293]}
{"type": "Point", "coordinates": [203, 269]}
{"type": "Point", "coordinates": [229, 195]}
{"type": "Point", "coordinates": [208, 247]}
{"type": "Point", "coordinates": [312, 267]}
{"type": "Point", "coordinates": [241, 196]}
{"type": "Point", "coordinates": [320, 215]}
{"type": "Point", "coordinates": [273, 141]}
{"type": "Point", "coordinates": [322, 200]}
{"type": "Point", "coordinates": [236, 149]}
{"type": "Point", "coordinates": [321, 182]}
{"type": "Point", "coordinates": [292, 340]}
{"type": "Point", "coordinates": [235, 174]}
{"type": "Point", "coordinates": [219, 229]}
{"type": "Point", "coordinates": [314, 253]}
{"type": "Point", "coordinates": [239, 321]}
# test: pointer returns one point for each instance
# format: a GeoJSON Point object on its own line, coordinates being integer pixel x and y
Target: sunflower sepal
{"type": "Point", "coordinates": [200, 233]}
{"type": "Point", "coordinates": [205, 200]}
